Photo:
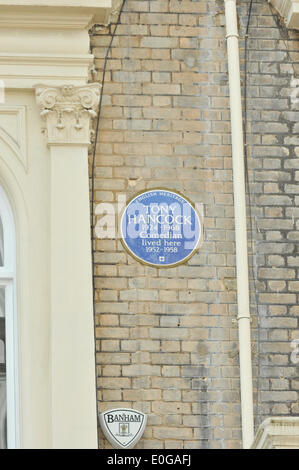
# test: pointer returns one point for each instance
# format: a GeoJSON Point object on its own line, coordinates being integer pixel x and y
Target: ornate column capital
{"type": "Point", "coordinates": [68, 111]}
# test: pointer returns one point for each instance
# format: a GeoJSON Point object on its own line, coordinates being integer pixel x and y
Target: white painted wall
{"type": "Point", "coordinates": [24, 174]}
{"type": "Point", "coordinates": [47, 185]}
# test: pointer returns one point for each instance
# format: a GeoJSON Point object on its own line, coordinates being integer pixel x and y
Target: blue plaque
{"type": "Point", "coordinates": [160, 228]}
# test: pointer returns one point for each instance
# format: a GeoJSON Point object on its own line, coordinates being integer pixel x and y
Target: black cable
{"type": "Point", "coordinates": [245, 83]}
{"type": "Point", "coordinates": [97, 132]}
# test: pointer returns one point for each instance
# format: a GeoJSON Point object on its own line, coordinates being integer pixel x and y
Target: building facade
{"type": "Point", "coordinates": [167, 339]}
{"type": "Point", "coordinates": [161, 341]}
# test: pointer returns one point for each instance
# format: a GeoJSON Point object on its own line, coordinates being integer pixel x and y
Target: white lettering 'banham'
{"type": "Point", "coordinates": [123, 427]}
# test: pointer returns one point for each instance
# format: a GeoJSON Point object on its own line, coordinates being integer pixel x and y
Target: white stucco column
{"type": "Point", "coordinates": [67, 111]}
{"type": "Point", "coordinates": [48, 42]}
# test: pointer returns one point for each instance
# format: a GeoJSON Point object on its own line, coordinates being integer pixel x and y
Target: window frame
{"type": "Point", "coordinates": [8, 280]}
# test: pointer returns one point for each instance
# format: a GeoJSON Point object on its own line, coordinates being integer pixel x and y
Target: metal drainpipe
{"type": "Point", "coordinates": [240, 223]}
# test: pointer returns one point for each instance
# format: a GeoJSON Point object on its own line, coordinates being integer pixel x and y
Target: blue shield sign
{"type": "Point", "coordinates": [160, 228]}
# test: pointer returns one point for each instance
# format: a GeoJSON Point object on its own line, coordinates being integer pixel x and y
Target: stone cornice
{"type": "Point", "coordinates": [289, 10]}
{"type": "Point", "coordinates": [68, 111]}
{"type": "Point", "coordinates": [50, 13]}
{"type": "Point", "coordinates": [47, 41]}
{"type": "Point", "coordinates": [278, 433]}
{"type": "Point", "coordinates": [25, 70]}
{"type": "Point", "coordinates": [113, 16]}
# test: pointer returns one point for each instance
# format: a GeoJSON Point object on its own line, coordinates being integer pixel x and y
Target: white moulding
{"type": "Point", "coordinates": [289, 10]}
{"type": "Point", "coordinates": [48, 41]}
{"type": "Point", "coordinates": [278, 433]}
{"type": "Point", "coordinates": [25, 71]}
{"type": "Point", "coordinates": [97, 10]}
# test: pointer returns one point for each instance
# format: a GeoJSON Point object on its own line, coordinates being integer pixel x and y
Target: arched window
{"type": "Point", "coordinates": [8, 343]}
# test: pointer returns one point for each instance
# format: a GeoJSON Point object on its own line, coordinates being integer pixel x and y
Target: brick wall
{"type": "Point", "coordinates": [273, 127]}
{"type": "Point", "coordinates": [167, 340]}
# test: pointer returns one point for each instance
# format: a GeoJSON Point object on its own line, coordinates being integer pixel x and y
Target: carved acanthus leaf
{"type": "Point", "coordinates": [68, 110]}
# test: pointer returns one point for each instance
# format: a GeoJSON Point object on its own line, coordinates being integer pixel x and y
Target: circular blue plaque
{"type": "Point", "coordinates": [160, 228]}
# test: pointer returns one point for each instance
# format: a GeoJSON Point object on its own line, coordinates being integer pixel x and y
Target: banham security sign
{"type": "Point", "coordinates": [161, 228]}
{"type": "Point", "coordinates": [123, 427]}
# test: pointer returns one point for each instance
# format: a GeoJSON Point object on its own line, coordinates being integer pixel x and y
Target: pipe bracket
{"type": "Point", "coordinates": [232, 36]}
{"type": "Point", "coordinates": [242, 317]}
